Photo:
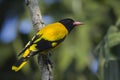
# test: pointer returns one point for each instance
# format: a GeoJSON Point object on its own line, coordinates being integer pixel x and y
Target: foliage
{"type": "Point", "coordinates": [74, 57]}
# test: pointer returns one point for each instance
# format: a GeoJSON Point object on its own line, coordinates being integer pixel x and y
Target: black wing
{"type": "Point", "coordinates": [44, 45]}
{"type": "Point", "coordinates": [29, 44]}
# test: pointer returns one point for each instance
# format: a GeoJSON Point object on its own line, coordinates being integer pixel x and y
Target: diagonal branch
{"type": "Point", "coordinates": [45, 69]}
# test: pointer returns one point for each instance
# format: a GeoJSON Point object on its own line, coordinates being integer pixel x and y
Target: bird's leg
{"type": "Point", "coordinates": [48, 61]}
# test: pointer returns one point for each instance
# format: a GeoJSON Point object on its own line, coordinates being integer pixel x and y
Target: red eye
{"type": "Point", "coordinates": [67, 21]}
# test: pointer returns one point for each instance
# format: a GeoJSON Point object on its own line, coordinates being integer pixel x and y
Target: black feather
{"type": "Point", "coordinates": [30, 43]}
{"type": "Point", "coordinates": [19, 62]}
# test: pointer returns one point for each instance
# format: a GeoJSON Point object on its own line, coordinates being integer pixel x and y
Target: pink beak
{"type": "Point", "coordinates": [76, 23]}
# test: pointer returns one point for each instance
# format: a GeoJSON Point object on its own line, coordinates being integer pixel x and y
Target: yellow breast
{"type": "Point", "coordinates": [53, 32]}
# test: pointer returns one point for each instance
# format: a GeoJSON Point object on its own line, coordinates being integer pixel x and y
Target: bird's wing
{"type": "Point", "coordinates": [29, 44]}
{"type": "Point", "coordinates": [47, 38]}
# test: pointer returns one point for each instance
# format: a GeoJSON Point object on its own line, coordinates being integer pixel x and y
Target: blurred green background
{"type": "Point", "coordinates": [73, 59]}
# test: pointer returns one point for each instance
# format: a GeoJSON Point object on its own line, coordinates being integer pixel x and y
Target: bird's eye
{"type": "Point", "coordinates": [67, 21]}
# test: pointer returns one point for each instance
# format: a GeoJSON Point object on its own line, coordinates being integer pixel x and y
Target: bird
{"type": "Point", "coordinates": [45, 40]}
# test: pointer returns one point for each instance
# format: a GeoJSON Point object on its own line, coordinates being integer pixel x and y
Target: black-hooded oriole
{"type": "Point", "coordinates": [45, 39]}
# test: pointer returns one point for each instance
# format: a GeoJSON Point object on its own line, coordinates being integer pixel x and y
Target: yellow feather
{"type": "Point", "coordinates": [33, 47]}
{"type": "Point", "coordinates": [53, 32]}
{"type": "Point", "coordinates": [26, 53]}
{"type": "Point", "coordinates": [18, 68]}
{"type": "Point", "coordinates": [37, 40]}
{"type": "Point", "coordinates": [54, 44]}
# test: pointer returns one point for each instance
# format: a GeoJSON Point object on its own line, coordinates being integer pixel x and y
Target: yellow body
{"type": "Point", "coordinates": [52, 34]}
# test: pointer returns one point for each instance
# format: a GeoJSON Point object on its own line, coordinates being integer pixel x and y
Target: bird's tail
{"type": "Point", "coordinates": [19, 64]}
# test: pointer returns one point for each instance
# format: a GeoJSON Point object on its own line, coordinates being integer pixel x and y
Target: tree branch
{"type": "Point", "coordinates": [45, 68]}
{"type": "Point", "coordinates": [35, 14]}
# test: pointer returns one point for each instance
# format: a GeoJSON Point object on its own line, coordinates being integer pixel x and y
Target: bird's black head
{"type": "Point", "coordinates": [69, 23]}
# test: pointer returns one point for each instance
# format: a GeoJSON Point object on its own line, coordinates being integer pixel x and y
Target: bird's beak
{"type": "Point", "coordinates": [76, 23]}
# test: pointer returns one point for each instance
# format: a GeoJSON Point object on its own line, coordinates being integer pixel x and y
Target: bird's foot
{"type": "Point", "coordinates": [48, 62]}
